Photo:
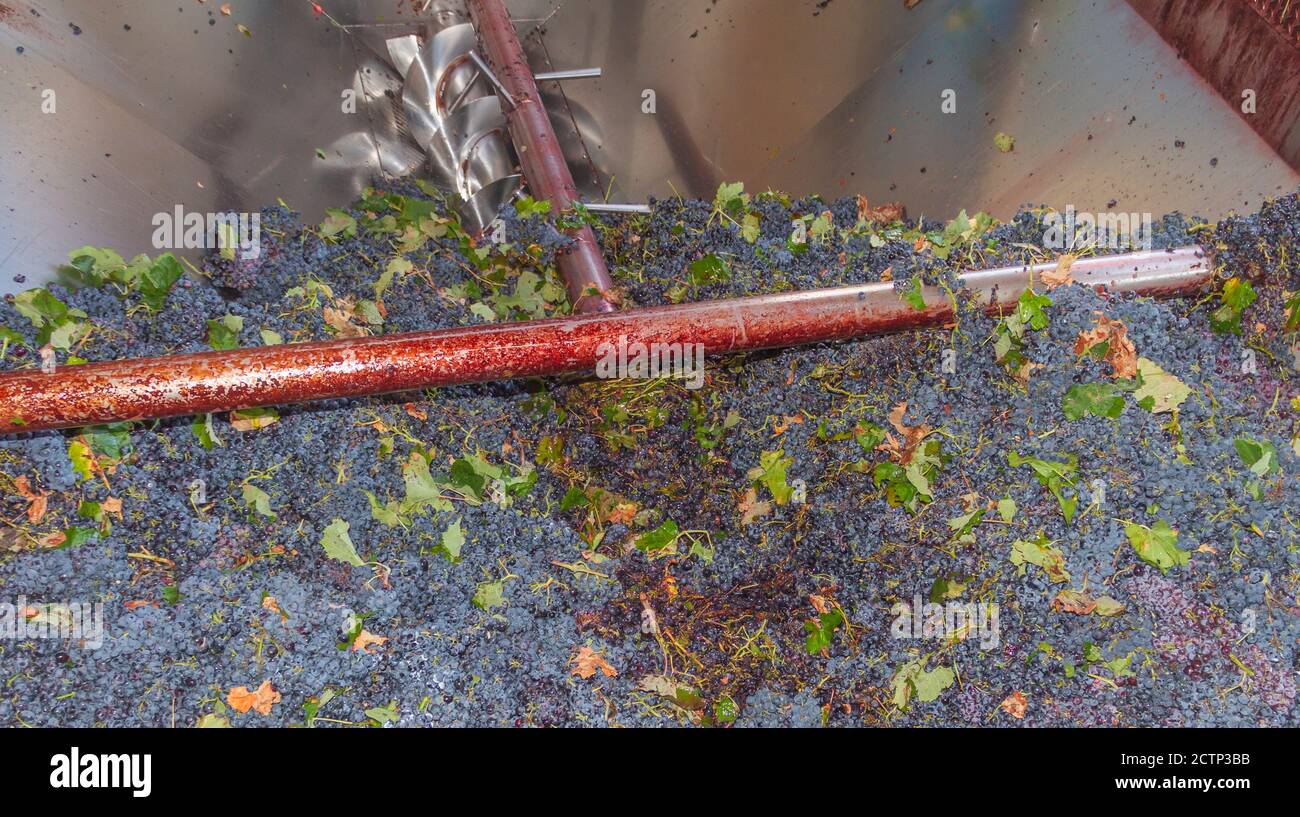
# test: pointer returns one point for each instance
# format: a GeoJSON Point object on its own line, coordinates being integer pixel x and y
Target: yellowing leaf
{"type": "Point", "coordinates": [83, 458]}
{"type": "Point", "coordinates": [1081, 604]}
{"type": "Point", "coordinates": [1040, 553]}
{"type": "Point", "coordinates": [1106, 606]}
{"type": "Point", "coordinates": [212, 721]}
{"type": "Point", "coordinates": [1158, 390]}
{"type": "Point", "coordinates": [253, 419]}
{"type": "Point", "coordinates": [1157, 545]}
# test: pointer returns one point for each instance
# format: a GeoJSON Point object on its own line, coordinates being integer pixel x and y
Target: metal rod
{"type": "Point", "coordinates": [492, 78]}
{"type": "Point", "coordinates": [572, 73]}
{"type": "Point", "coordinates": [32, 400]}
{"type": "Point", "coordinates": [607, 207]}
{"type": "Point", "coordinates": [469, 86]}
{"type": "Point", "coordinates": [544, 166]}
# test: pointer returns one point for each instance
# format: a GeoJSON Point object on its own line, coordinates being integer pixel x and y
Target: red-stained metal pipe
{"type": "Point", "coordinates": [540, 156]}
{"type": "Point", "coordinates": [92, 393]}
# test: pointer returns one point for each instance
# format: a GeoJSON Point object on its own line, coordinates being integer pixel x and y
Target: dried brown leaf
{"type": "Point", "coordinates": [588, 661]}
{"type": "Point", "coordinates": [893, 211]}
{"type": "Point", "coordinates": [912, 436]}
{"type": "Point", "coordinates": [622, 513]}
{"type": "Point", "coordinates": [1015, 705]}
{"type": "Point", "coordinates": [1120, 352]}
{"type": "Point", "coordinates": [261, 700]}
{"type": "Point", "coordinates": [751, 508]}
{"type": "Point", "coordinates": [365, 640]}
{"type": "Point", "coordinates": [1074, 601]}
{"type": "Point", "coordinates": [338, 320]}
{"type": "Point", "coordinates": [1060, 276]}
{"type": "Point", "coordinates": [37, 502]}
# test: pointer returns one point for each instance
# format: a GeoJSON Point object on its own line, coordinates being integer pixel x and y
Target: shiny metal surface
{"type": "Point", "coordinates": [440, 74]}
{"type": "Point", "coordinates": [609, 207]}
{"type": "Point", "coordinates": [573, 73]}
{"type": "Point", "coordinates": [1156, 273]}
{"type": "Point", "coordinates": [845, 99]}
{"type": "Point", "coordinates": [164, 104]}
{"type": "Point", "coordinates": [777, 93]}
{"type": "Point", "coordinates": [478, 211]}
{"type": "Point", "coordinates": [458, 131]}
{"type": "Point", "coordinates": [452, 112]}
{"type": "Point", "coordinates": [402, 51]}
{"type": "Point", "coordinates": [486, 159]}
